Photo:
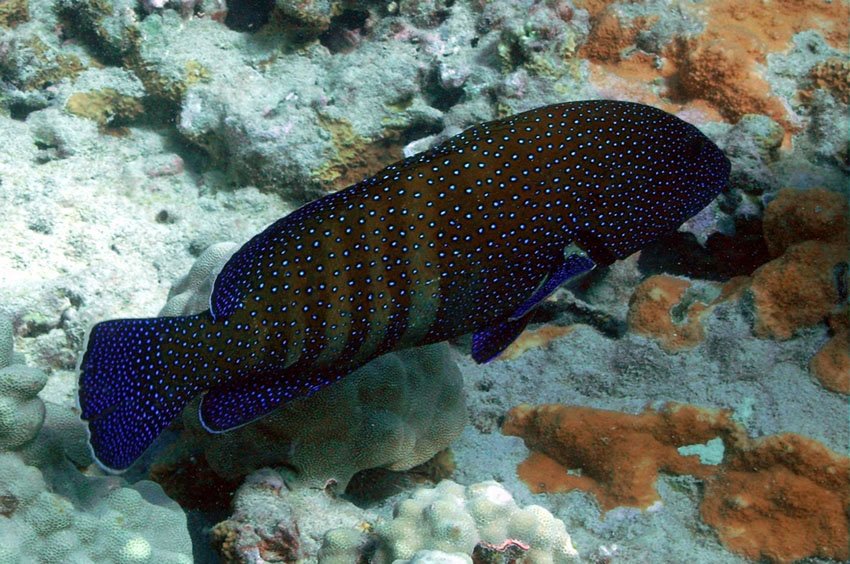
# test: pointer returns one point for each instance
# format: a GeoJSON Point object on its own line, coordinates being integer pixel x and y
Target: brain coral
{"type": "Point", "coordinates": [396, 412]}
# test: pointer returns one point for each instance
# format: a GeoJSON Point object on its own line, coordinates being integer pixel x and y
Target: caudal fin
{"type": "Point", "coordinates": [135, 378]}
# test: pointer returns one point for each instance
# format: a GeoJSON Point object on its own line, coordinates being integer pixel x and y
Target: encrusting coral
{"type": "Point", "coordinates": [831, 364]}
{"type": "Point", "coordinates": [620, 455]}
{"type": "Point", "coordinates": [807, 233]}
{"type": "Point", "coordinates": [651, 312]}
{"type": "Point", "coordinates": [782, 497]}
{"type": "Point", "coordinates": [710, 51]}
{"type": "Point", "coordinates": [806, 236]}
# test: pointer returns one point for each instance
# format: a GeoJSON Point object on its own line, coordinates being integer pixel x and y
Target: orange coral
{"type": "Point", "coordinates": [721, 72]}
{"type": "Point", "coordinates": [650, 313]}
{"type": "Point", "coordinates": [795, 216]}
{"type": "Point", "coordinates": [719, 66]}
{"type": "Point", "coordinates": [831, 364]}
{"type": "Point", "coordinates": [594, 7]}
{"type": "Point", "coordinates": [615, 456]}
{"type": "Point", "coordinates": [537, 338]}
{"type": "Point", "coordinates": [833, 74]}
{"type": "Point", "coordinates": [798, 289]}
{"type": "Point", "coordinates": [608, 37]}
{"type": "Point", "coordinates": [783, 497]}
{"type": "Point", "coordinates": [774, 22]}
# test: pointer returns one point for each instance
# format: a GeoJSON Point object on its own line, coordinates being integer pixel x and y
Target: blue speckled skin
{"type": "Point", "coordinates": [454, 240]}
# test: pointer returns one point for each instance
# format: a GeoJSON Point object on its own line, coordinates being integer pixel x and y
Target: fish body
{"type": "Point", "coordinates": [467, 237]}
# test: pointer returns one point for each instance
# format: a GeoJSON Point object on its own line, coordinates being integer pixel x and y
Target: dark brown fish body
{"type": "Point", "coordinates": [466, 237]}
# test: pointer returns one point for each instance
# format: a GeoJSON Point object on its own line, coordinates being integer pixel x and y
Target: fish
{"type": "Point", "coordinates": [466, 237]}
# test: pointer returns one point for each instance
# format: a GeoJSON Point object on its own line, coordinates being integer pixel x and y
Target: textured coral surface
{"type": "Point", "coordinates": [615, 456]}
{"type": "Point", "coordinates": [783, 497]}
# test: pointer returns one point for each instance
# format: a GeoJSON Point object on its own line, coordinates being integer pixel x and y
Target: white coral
{"type": "Point", "coordinates": [454, 520]}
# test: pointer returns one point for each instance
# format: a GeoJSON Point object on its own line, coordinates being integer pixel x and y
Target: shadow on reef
{"type": "Point", "coordinates": [248, 15]}
{"type": "Point", "coordinates": [723, 256]}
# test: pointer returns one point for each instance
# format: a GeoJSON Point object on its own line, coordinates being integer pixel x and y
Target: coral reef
{"type": "Point", "coordinates": [191, 293]}
{"type": "Point", "coordinates": [396, 412]}
{"type": "Point", "coordinates": [659, 308]}
{"type": "Point", "coordinates": [272, 523]}
{"type": "Point", "coordinates": [806, 236]}
{"type": "Point", "coordinates": [615, 456]}
{"type": "Point", "coordinates": [782, 498]}
{"type": "Point", "coordinates": [807, 232]}
{"type": "Point", "coordinates": [831, 364]}
{"type": "Point", "coordinates": [13, 13]}
{"type": "Point", "coordinates": [539, 337]}
{"type": "Point", "coordinates": [105, 96]}
{"type": "Point", "coordinates": [136, 134]}
{"type": "Point", "coordinates": [482, 519]}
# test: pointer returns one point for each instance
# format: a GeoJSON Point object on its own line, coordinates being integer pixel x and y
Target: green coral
{"type": "Point", "coordinates": [196, 72]}
{"type": "Point", "coordinates": [108, 25]}
{"type": "Point", "coordinates": [38, 64]}
{"type": "Point", "coordinates": [347, 144]}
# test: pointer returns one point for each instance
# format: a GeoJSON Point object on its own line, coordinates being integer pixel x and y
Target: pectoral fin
{"type": "Point", "coordinates": [573, 264]}
{"type": "Point", "coordinates": [230, 406]}
{"type": "Point", "coordinates": [488, 343]}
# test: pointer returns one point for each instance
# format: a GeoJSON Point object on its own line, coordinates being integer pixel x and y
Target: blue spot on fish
{"type": "Point", "coordinates": [467, 237]}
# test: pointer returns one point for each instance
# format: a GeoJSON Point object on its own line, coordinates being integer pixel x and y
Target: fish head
{"type": "Point", "coordinates": [642, 173]}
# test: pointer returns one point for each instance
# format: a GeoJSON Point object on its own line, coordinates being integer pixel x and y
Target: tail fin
{"type": "Point", "coordinates": [135, 378]}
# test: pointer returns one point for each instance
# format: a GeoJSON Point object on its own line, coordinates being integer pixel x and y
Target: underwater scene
{"type": "Point", "coordinates": [424, 281]}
